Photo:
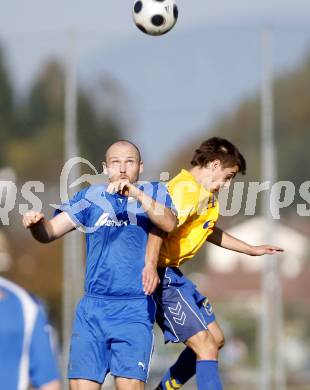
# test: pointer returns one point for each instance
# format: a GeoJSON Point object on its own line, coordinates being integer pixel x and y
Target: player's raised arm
{"type": "Point", "coordinates": [159, 213]}
{"type": "Point", "coordinates": [47, 230]}
{"type": "Point", "coordinates": [225, 240]}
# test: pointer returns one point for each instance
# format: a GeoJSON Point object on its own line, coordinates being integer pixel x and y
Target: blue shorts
{"type": "Point", "coordinates": [112, 335]}
{"type": "Point", "coordinates": [181, 310]}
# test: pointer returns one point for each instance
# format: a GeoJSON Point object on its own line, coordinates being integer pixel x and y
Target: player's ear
{"type": "Point", "coordinates": [216, 164]}
{"type": "Point", "coordinates": [104, 166]}
{"type": "Point", "coordinates": [141, 167]}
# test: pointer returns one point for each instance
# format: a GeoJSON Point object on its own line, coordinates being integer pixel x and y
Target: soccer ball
{"type": "Point", "coordinates": [155, 17]}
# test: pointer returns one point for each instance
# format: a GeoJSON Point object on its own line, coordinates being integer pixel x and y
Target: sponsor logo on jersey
{"type": "Point", "coordinates": [208, 307]}
{"type": "Point", "coordinates": [105, 220]}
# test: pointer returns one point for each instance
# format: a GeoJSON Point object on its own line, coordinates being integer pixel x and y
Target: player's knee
{"type": "Point", "coordinates": [129, 384]}
{"type": "Point", "coordinates": [210, 345]}
{"type": "Point", "coordinates": [220, 341]}
{"type": "Point", "coordinates": [217, 334]}
{"type": "Point", "coordinates": [83, 384]}
{"type": "Point", "coordinates": [204, 345]}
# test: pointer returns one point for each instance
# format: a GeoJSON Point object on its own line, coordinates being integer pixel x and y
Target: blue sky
{"type": "Point", "coordinates": [209, 61]}
{"type": "Point", "coordinates": [33, 29]}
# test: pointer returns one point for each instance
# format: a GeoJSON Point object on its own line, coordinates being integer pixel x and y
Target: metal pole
{"type": "Point", "coordinates": [280, 374]}
{"type": "Point", "coordinates": [72, 253]}
{"type": "Point", "coordinates": [271, 320]}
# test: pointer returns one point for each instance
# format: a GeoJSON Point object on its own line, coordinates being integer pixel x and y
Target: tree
{"type": "Point", "coordinates": [6, 107]}
{"type": "Point", "coordinates": [38, 135]}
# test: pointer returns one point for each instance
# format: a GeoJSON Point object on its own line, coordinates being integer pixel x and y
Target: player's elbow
{"type": "Point", "coordinates": [43, 238]}
{"type": "Point", "coordinates": [46, 240]}
{"type": "Point", "coordinates": [170, 225]}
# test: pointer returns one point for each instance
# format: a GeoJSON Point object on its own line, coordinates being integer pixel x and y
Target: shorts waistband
{"type": "Point", "coordinates": [115, 297]}
{"type": "Point", "coordinates": [164, 270]}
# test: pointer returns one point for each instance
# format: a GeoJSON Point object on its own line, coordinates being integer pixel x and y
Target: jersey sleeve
{"type": "Point", "coordinates": [77, 208]}
{"type": "Point", "coordinates": [161, 195]}
{"type": "Point", "coordinates": [43, 361]}
{"type": "Point", "coordinates": [185, 200]}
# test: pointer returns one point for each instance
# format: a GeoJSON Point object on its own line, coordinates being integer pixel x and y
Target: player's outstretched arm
{"type": "Point", "coordinates": [161, 216]}
{"type": "Point", "coordinates": [227, 241]}
{"type": "Point", "coordinates": [150, 277]}
{"type": "Point", "coordinates": [47, 230]}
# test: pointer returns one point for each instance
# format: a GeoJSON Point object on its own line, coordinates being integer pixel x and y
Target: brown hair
{"type": "Point", "coordinates": [216, 148]}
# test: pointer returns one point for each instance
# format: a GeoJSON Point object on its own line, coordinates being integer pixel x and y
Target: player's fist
{"type": "Point", "coordinates": [31, 218]}
{"type": "Point", "coordinates": [150, 279]}
{"type": "Point", "coordinates": [124, 187]}
{"type": "Point", "coordinates": [117, 186]}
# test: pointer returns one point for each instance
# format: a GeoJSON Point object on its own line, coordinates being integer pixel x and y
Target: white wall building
{"type": "Point", "coordinates": [296, 248]}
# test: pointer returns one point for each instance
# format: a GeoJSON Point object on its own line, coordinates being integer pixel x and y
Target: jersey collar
{"type": "Point", "coordinates": [204, 193]}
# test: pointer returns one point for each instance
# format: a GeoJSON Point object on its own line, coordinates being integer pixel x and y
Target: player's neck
{"type": "Point", "coordinates": [199, 174]}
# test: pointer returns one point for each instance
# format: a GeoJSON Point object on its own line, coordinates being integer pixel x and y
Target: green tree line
{"type": "Point", "coordinates": [291, 124]}
{"type": "Point", "coordinates": [32, 143]}
{"type": "Point", "coordinates": [32, 125]}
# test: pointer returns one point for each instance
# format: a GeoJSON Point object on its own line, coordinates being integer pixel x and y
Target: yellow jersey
{"type": "Point", "coordinates": [198, 211]}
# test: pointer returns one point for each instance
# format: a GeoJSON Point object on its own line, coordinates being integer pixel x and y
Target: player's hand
{"type": "Point", "coordinates": [261, 250]}
{"type": "Point", "coordinates": [124, 187]}
{"type": "Point", "coordinates": [150, 279]}
{"type": "Point", "coordinates": [31, 218]}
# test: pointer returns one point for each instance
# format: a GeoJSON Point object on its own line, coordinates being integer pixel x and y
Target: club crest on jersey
{"type": "Point", "coordinates": [208, 307]}
{"type": "Point", "coordinates": [208, 224]}
{"type": "Point", "coordinates": [211, 202]}
{"type": "Point", "coordinates": [105, 220]}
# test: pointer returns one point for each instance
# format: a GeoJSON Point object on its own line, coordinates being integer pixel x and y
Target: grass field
{"type": "Point", "coordinates": [154, 380]}
{"type": "Point", "coordinates": [192, 386]}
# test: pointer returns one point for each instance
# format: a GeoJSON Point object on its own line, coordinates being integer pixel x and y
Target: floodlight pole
{"type": "Point", "coordinates": [272, 311]}
{"type": "Point", "coordinates": [72, 250]}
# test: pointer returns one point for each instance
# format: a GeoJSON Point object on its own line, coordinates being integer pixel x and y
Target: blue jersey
{"type": "Point", "coordinates": [116, 229]}
{"type": "Point", "coordinates": [26, 354]}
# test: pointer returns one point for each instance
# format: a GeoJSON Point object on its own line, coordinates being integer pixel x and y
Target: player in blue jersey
{"type": "Point", "coordinates": [26, 353]}
{"type": "Point", "coordinates": [112, 331]}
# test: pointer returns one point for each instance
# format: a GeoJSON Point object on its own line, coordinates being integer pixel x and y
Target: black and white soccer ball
{"type": "Point", "coordinates": [155, 17]}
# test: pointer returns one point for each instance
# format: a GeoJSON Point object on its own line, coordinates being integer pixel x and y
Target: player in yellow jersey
{"type": "Point", "coordinates": [183, 314]}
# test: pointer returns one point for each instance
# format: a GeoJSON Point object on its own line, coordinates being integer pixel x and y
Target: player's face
{"type": "Point", "coordinates": [123, 163]}
{"type": "Point", "coordinates": [219, 177]}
